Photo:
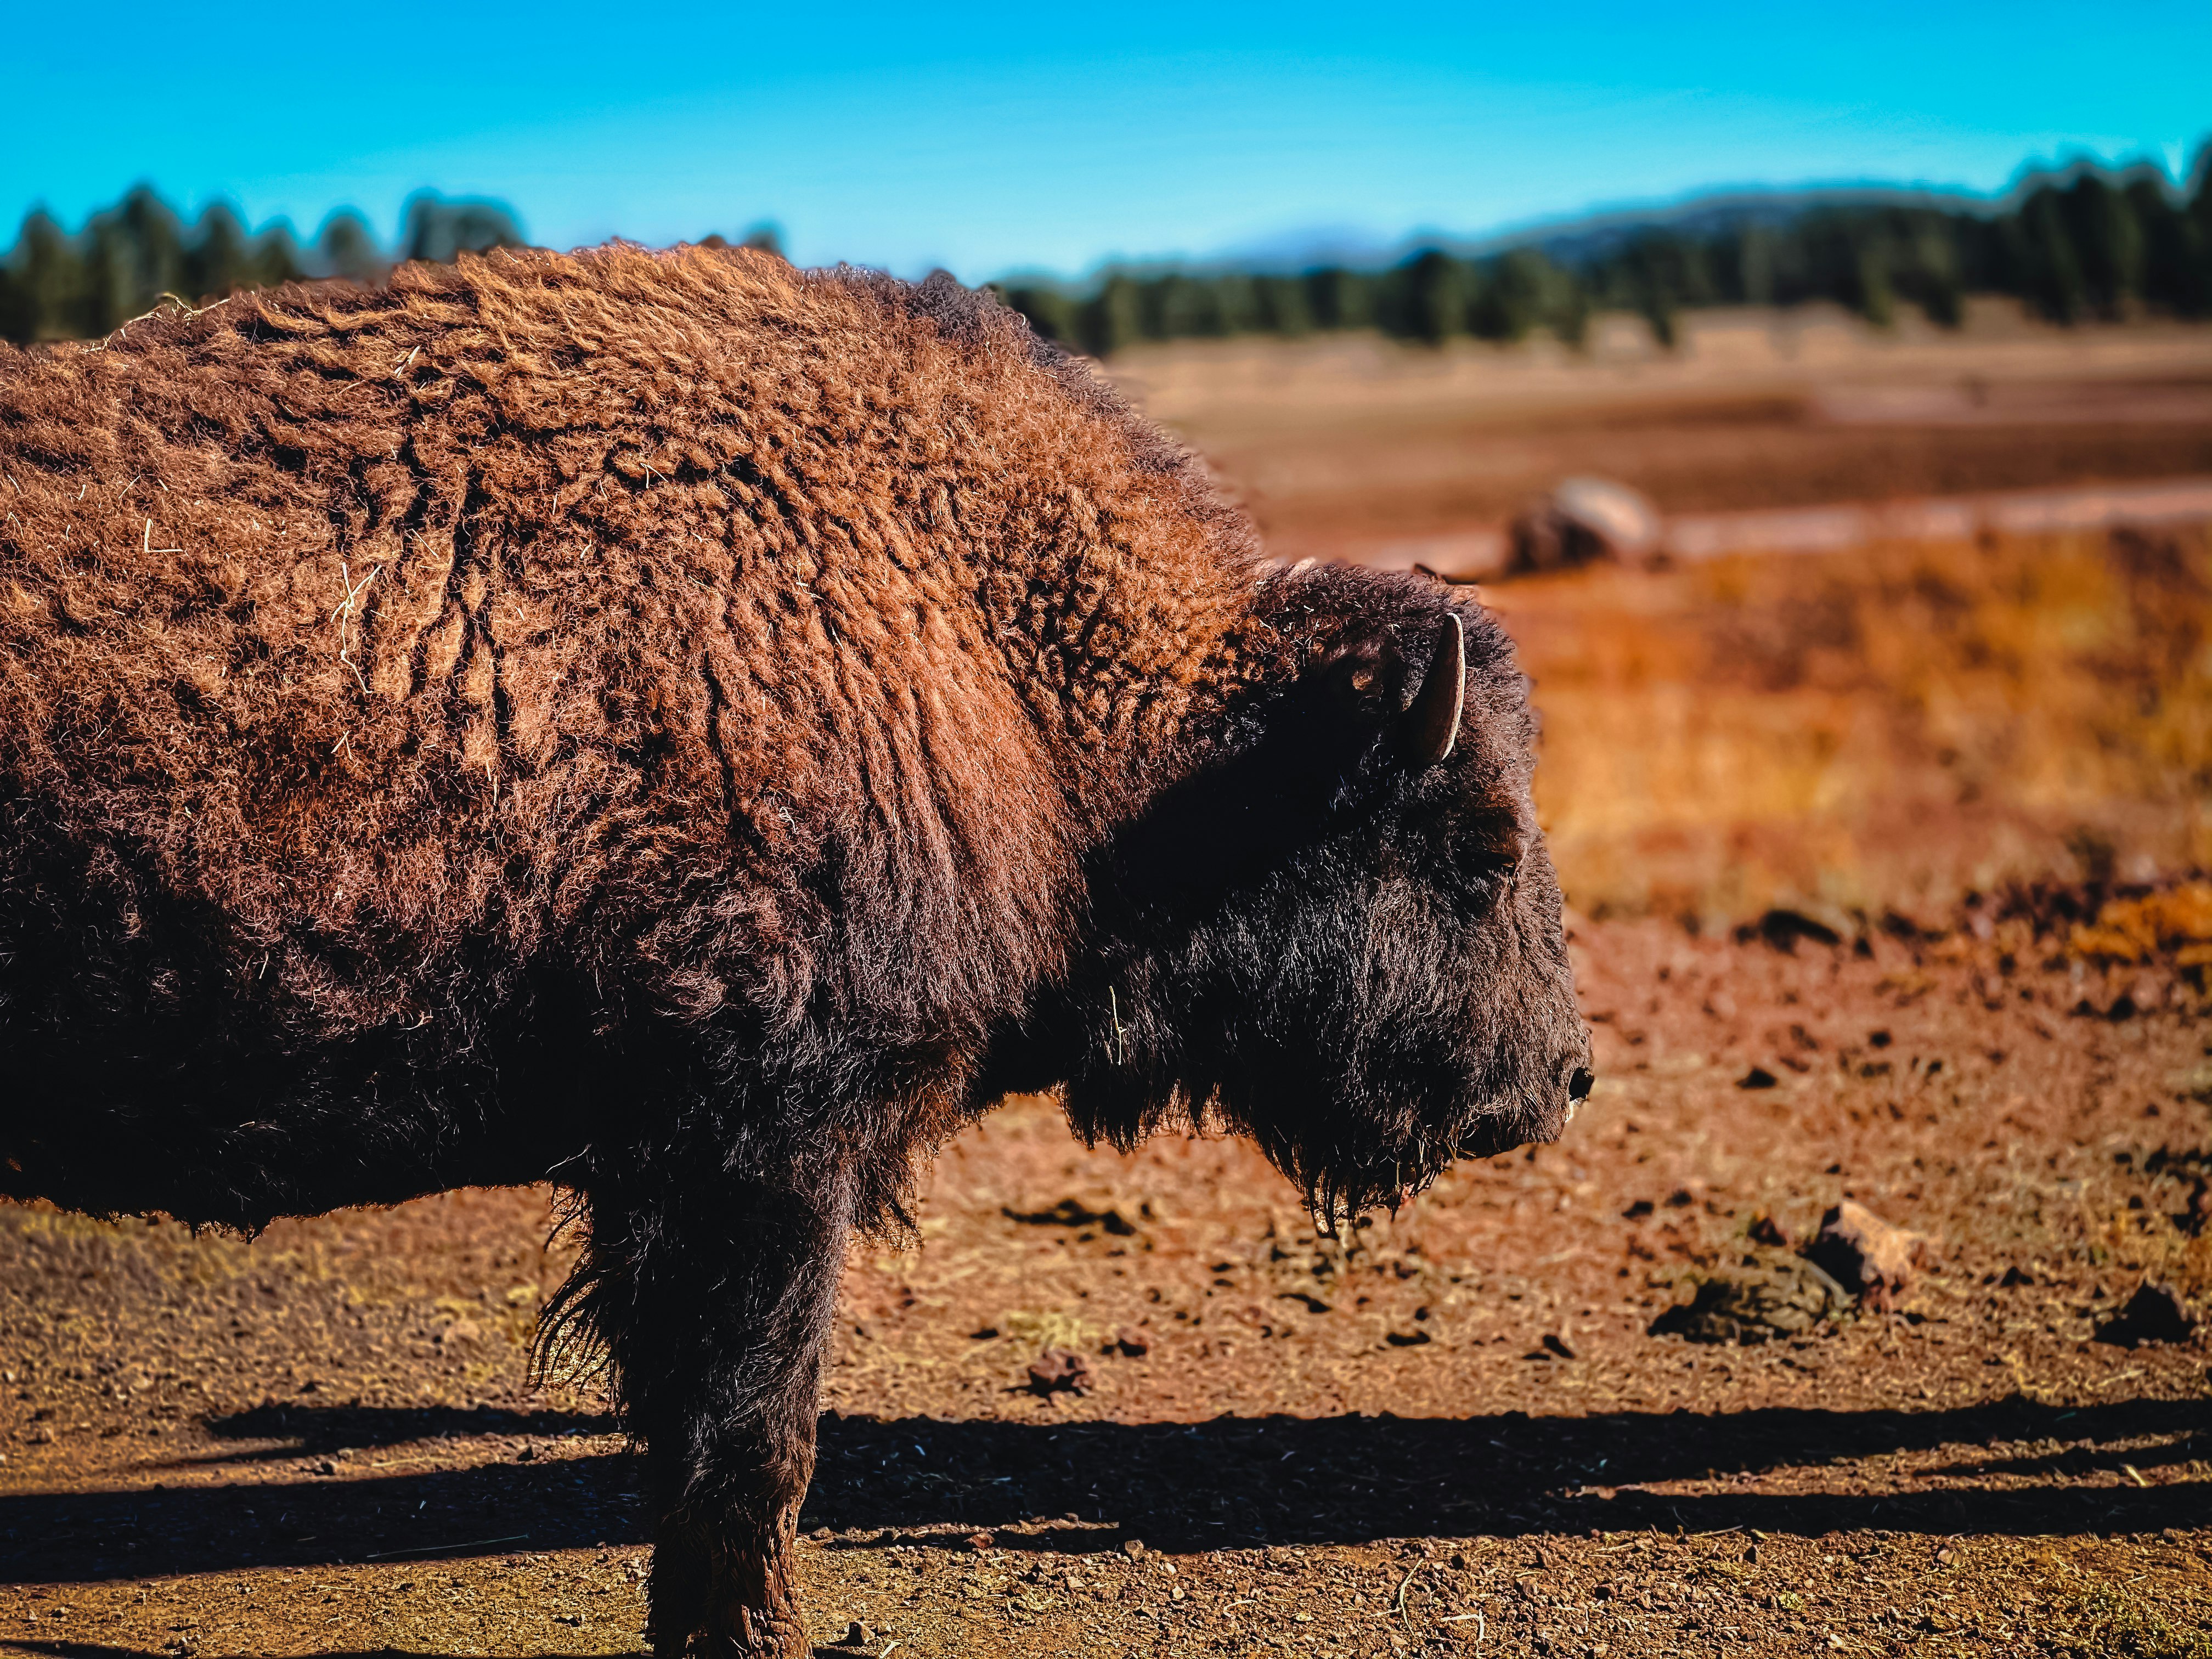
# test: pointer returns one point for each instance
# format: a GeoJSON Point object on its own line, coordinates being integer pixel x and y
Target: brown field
{"type": "Point", "coordinates": [1347, 447]}
{"type": "Point", "coordinates": [1984, 765]}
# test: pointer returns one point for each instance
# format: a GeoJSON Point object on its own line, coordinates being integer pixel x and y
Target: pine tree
{"type": "Point", "coordinates": [1513, 295]}
{"type": "Point", "coordinates": [1754, 265]}
{"type": "Point", "coordinates": [345, 247]}
{"type": "Point", "coordinates": [107, 292]}
{"type": "Point", "coordinates": [1569, 313]}
{"type": "Point", "coordinates": [441, 231]}
{"type": "Point", "coordinates": [2173, 269]}
{"type": "Point", "coordinates": [1436, 296]}
{"type": "Point", "coordinates": [50, 279]}
{"type": "Point", "coordinates": [2050, 268]}
{"type": "Point", "coordinates": [1868, 289]}
{"type": "Point", "coordinates": [1649, 280]}
{"type": "Point", "coordinates": [1051, 312]}
{"type": "Point", "coordinates": [1180, 306]}
{"type": "Point", "coordinates": [276, 258]}
{"type": "Point", "coordinates": [156, 248]}
{"type": "Point", "coordinates": [15, 305]}
{"type": "Point", "coordinates": [1928, 270]}
{"type": "Point", "coordinates": [2107, 241]}
{"type": "Point", "coordinates": [1283, 306]}
{"type": "Point", "coordinates": [1113, 318]}
{"type": "Point", "coordinates": [1341, 299]}
{"type": "Point", "coordinates": [218, 261]}
{"type": "Point", "coordinates": [1236, 308]}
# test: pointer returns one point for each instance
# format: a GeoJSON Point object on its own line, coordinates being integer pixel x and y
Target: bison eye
{"type": "Point", "coordinates": [1491, 838]}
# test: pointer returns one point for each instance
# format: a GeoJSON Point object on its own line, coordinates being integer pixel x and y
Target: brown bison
{"type": "Point", "coordinates": [700, 733]}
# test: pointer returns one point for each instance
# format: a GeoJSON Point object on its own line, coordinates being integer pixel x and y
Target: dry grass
{"type": "Point", "coordinates": [1848, 734]}
{"type": "Point", "coordinates": [1875, 731]}
{"type": "Point", "coordinates": [2112, 1622]}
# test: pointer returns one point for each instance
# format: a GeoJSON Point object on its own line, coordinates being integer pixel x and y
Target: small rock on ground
{"type": "Point", "coordinates": [1870, 1258]}
{"type": "Point", "coordinates": [1056, 1369]}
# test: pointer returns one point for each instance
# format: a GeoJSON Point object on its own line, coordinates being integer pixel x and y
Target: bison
{"type": "Point", "coordinates": [701, 733]}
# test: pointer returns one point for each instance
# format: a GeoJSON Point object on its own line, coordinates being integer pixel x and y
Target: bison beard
{"type": "Point", "coordinates": [700, 733]}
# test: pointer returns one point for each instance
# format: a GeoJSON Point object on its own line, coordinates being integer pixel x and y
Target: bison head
{"type": "Point", "coordinates": [1339, 933]}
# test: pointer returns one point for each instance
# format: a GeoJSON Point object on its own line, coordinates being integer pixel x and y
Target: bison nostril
{"type": "Point", "coordinates": [1579, 1086]}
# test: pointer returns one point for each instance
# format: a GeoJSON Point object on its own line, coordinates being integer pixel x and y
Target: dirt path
{"type": "Point", "coordinates": [1452, 1435]}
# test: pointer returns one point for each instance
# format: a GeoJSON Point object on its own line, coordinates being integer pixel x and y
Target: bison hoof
{"type": "Point", "coordinates": [757, 1618]}
{"type": "Point", "coordinates": [755, 1633]}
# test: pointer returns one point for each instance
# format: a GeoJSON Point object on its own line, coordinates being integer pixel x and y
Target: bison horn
{"type": "Point", "coordinates": [1432, 723]}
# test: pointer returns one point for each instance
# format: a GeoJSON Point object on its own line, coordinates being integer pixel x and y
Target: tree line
{"type": "Point", "coordinates": [2088, 243]}
{"type": "Point", "coordinates": [124, 261]}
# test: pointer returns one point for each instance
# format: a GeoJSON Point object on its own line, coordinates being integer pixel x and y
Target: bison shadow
{"type": "Point", "coordinates": [1230, 1482]}
{"type": "Point", "coordinates": [309, 1431]}
{"type": "Point", "coordinates": [101, 1650]}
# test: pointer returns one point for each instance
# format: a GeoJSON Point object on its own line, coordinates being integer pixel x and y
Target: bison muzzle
{"type": "Point", "coordinates": [699, 733]}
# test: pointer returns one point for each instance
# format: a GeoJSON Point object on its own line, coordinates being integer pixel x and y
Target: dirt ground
{"type": "Point", "coordinates": [1452, 1434]}
{"type": "Point", "coordinates": [1888, 872]}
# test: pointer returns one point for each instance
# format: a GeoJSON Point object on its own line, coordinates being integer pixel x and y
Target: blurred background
{"type": "Point", "coordinates": [1825, 403]}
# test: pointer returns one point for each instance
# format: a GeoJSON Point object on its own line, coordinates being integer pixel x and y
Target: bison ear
{"type": "Point", "coordinates": [1431, 725]}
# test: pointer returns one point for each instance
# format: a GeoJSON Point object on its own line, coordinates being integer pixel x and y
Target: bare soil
{"type": "Point", "coordinates": [1451, 1433]}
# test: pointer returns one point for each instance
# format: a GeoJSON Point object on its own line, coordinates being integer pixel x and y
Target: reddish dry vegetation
{"type": "Point", "coordinates": [1881, 733]}
{"type": "Point", "coordinates": [1883, 872]}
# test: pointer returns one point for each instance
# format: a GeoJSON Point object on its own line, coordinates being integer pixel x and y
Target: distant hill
{"type": "Point", "coordinates": [1598, 231]}
{"type": "Point", "coordinates": [1721, 213]}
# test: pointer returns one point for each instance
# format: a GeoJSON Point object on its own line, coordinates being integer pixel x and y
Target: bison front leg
{"type": "Point", "coordinates": [716, 1304]}
{"type": "Point", "coordinates": [723, 1585]}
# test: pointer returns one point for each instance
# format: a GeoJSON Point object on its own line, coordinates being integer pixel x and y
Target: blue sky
{"type": "Point", "coordinates": [995, 138]}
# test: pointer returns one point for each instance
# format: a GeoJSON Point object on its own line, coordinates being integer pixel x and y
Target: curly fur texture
{"type": "Point", "coordinates": [701, 731]}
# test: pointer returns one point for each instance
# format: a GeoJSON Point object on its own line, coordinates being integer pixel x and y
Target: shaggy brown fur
{"type": "Point", "coordinates": [698, 731]}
